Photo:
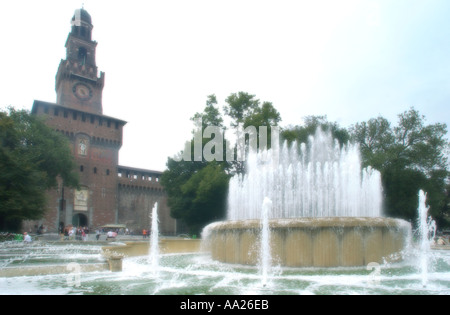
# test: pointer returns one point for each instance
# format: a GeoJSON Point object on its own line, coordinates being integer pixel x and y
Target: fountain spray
{"type": "Point", "coordinates": [154, 241]}
{"type": "Point", "coordinates": [427, 232]}
{"type": "Point", "coordinates": [265, 255]}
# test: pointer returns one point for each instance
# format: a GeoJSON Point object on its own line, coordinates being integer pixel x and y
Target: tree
{"type": "Point", "coordinates": [246, 111]}
{"type": "Point", "coordinates": [197, 187]}
{"type": "Point", "coordinates": [205, 193]}
{"type": "Point", "coordinates": [240, 107]}
{"type": "Point", "coordinates": [32, 157]}
{"type": "Point", "coordinates": [301, 133]}
{"type": "Point", "coordinates": [211, 115]}
{"type": "Point", "coordinates": [410, 156]}
{"type": "Point", "coordinates": [194, 187]}
{"type": "Point", "coordinates": [374, 137]}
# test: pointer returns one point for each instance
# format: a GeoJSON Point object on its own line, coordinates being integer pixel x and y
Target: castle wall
{"type": "Point", "coordinates": [138, 191]}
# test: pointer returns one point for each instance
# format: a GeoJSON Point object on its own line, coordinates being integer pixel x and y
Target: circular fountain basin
{"type": "Point", "coordinates": [310, 242]}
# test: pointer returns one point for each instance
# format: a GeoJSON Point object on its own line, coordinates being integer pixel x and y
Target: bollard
{"type": "Point", "coordinates": [115, 263]}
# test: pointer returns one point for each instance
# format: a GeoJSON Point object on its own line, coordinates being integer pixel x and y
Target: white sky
{"type": "Point", "coordinates": [351, 60]}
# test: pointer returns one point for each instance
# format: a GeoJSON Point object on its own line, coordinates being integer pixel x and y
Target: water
{"type": "Point", "coordinates": [427, 232]}
{"type": "Point", "coordinates": [318, 179]}
{"type": "Point", "coordinates": [18, 254]}
{"type": "Point", "coordinates": [154, 241]}
{"type": "Point", "coordinates": [265, 256]}
{"type": "Point", "coordinates": [197, 274]}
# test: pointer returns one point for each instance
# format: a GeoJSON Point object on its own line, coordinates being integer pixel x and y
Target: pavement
{"type": "Point", "coordinates": [53, 237]}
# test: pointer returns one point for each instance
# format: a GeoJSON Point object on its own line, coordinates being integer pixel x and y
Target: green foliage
{"type": "Point", "coordinates": [206, 191]}
{"type": "Point", "coordinates": [410, 156]}
{"type": "Point", "coordinates": [240, 107]}
{"type": "Point", "coordinates": [197, 195]}
{"type": "Point", "coordinates": [32, 157]}
{"type": "Point", "coordinates": [245, 110]}
{"type": "Point", "coordinates": [197, 191]}
{"type": "Point", "coordinates": [309, 128]}
{"type": "Point", "coordinates": [211, 115]}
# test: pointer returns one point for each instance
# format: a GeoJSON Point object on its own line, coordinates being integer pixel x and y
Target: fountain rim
{"type": "Point", "coordinates": [312, 222]}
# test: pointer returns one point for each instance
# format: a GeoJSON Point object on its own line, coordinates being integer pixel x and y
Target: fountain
{"type": "Point", "coordinates": [427, 232]}
{"type": "Point", "coordinates": [254, 248]}
{"type": "Point", "coordinates": [265, 256]}
{"type": "Point", "coordinates": [187, 273]}
{"type": "Point", "coordinates": [154, 241]}
{"type": "Point", "coordinates": [197, 274]}
{"type": "Point", "coordinates": [326, 211]}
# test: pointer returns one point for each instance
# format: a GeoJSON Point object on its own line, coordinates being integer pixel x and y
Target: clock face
{"type": "Point", "coordinates": [82, 91]}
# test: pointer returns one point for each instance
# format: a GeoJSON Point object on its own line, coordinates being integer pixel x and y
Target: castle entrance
{"type": "Point", "coordinates": [80, 220]}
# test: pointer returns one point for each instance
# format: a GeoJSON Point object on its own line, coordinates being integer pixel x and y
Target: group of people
{"type": "Point", "coordinates": [146, 233]}
{"type": "Point", "coordinates": [76, 233]}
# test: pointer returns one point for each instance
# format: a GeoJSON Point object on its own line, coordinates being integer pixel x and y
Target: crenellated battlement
{"type": "Point", "coordinates": [101, 129]}
{"type": "Point", "coordinates": [135, 177]}
{"type": "Point", "coordinates": [72, 69]}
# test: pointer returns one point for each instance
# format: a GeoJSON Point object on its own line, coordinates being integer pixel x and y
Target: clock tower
{"type": "Point", "coordinates": [78, 85]}
{"type": "Point", "coordinates": [108, 193]}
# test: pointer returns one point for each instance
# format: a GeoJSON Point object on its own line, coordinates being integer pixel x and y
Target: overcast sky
{"type": "Point", "coordinates": [351, 60]}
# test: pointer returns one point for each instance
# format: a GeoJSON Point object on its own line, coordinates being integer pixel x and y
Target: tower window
{"type": "Point", "coordinates": [82, 55]}
{"type": "Point", "coordinates": [81, 168]}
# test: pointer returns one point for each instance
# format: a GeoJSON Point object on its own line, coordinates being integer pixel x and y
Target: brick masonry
{"type": "Point", "coordinates": [109, 193]}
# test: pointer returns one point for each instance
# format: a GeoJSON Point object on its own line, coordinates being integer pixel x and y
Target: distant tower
{"type": "Point", "coordinates": [78, 85]}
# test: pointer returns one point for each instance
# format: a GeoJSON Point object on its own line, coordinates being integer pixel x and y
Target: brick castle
{"type": "Point", "coordinates": [108, 193]}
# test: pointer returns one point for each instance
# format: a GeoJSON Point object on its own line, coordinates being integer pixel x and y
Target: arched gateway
{"type": "Point", "coordinates": [80, 220]}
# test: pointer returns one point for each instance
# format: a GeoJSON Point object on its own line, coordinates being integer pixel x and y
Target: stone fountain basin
{"type": "Point", "coordinates": [311, 242]}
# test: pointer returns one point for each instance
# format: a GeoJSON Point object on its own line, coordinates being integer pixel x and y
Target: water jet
{"type": "Point", "coordinates": [427, 232]}
{"type": "Point", "coordinates": [265, 255]}
{"type": "Point", "coordinates": [154, 241]}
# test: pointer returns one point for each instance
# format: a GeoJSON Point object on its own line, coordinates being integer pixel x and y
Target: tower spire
{"type": "Point", "coordinates": [77, 82]}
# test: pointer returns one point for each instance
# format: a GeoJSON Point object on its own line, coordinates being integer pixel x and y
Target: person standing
{"type": "Point", "coordinates": [27, 238]}
{"type": "Point", "coordinates": [66, 234]}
